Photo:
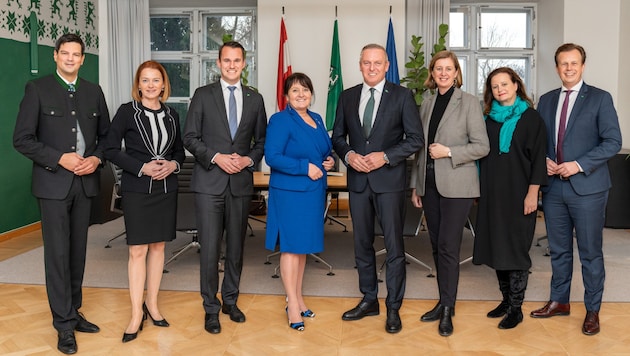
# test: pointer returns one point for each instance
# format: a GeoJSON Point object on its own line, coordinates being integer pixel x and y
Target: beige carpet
{"type": "Point", "coordinates": [107, 267]}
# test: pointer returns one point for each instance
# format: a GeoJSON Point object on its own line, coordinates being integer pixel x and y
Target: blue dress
{"type": "Point", "coordinates": [295, 214]}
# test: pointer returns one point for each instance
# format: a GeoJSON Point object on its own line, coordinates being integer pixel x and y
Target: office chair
{"type": "Point", "coordinates": [116, 201]}
{"type": "Point", "coordinates": [411, 227]}
{"type": "Point", "coordinates": [186, 221]}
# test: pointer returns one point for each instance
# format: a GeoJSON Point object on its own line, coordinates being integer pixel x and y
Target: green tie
{"type": "Point", "coordinates": [368, 113]}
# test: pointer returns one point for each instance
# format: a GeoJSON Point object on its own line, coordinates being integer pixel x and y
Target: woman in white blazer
{"type": "Point", "coordinates": [445, 179]}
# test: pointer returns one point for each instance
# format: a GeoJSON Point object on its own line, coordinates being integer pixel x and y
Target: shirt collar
{"type": "Point", "coordinates": [379, 87]}
{"type": "Point", "coordinates": [576, 88]}
{"type": "Point", "coordinates": [225, 85]}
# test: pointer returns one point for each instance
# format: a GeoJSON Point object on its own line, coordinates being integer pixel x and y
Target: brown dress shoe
{"type": "Point", "coordinates": [591, 323]}
{"type": "Point", "coordinates": [551, 309]}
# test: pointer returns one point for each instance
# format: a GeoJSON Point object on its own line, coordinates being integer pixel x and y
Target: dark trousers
{"type": "Point", "coordinates": [365, 207]}
{"type": "Point", "coordinates": [566, 211]}
{"type": "Point", "coordinates": [65, 225]}
{"type": "Point", "coordinates": [216, 214]}
{"type": "Point", "coordinates": [446, 218]}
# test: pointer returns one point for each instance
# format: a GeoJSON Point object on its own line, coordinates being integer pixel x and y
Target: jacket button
{"type": "Point", "coordinates": [73, 112]}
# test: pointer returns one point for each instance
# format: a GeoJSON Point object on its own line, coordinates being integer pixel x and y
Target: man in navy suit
{"type": "Point", "coordinates": [377, 126]}
{"type": "Point", "coordinates": [582, 135]}
{"type": "Point", "coordinates": [61, 127]}
{"type": "Point", "coordinates": [225, 153]}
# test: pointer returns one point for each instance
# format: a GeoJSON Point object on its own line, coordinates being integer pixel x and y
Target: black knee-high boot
{"type": "Point", "coordinates": [504, 286]}
{"type": "Point", "coordinates": [518, 284]}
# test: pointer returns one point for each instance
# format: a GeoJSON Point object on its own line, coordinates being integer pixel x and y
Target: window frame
{"type": "Point", "coordinates": [473, 51]}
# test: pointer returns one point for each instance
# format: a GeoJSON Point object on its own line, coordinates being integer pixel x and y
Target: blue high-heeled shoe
{"type": "Point", "coordinates": [297, 326]}
{"type": "Point", "coordinates": [307, 313]}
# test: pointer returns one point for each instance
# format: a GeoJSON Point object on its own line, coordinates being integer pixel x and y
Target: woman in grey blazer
{"type": "Point", "coordinates": [445, 178]}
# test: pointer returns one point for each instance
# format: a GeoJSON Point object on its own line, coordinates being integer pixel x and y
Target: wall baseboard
{"type": "Point", "coordinates": [5, 236]}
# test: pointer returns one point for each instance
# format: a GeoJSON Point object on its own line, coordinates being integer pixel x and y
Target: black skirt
{"type": "Point", "coordinates": [151, 217]}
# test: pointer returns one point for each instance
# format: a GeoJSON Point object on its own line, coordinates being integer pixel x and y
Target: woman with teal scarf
{"type": "Point", "coordinates": [510, 177]}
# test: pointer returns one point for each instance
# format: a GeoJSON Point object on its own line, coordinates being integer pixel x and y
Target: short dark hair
{"type": "Point", "coordinates": [69, 37]}
{"type": "Point", "coordinates": [232, 44]}
{"type": "Point", "coordinates": [299, 78]}
{"type": "Point", "coordinates": [570, 47]}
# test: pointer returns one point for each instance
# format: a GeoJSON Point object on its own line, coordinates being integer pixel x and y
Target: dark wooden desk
{"type": "Point", "coordinates": [336, 182]}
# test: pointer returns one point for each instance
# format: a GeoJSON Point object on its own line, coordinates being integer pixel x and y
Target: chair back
{"type": "Point", "coordinates": [186, 220]}
{"type": "Point", "coordinates": [116, 201]}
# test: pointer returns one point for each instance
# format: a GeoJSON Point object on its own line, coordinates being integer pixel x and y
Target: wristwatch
{"type": "Point", "coordinates": [385, 158]}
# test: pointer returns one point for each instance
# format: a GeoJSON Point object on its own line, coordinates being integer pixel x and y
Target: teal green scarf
{"type": "Point", "coordinates": [508, 116]}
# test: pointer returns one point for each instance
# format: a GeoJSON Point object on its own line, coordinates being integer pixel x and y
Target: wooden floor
{"type": "Point", "coordinates": [25, 327]}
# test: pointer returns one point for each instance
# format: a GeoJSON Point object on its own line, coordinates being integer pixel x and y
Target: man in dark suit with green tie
{"type": "Point", "coordinates": [377, 126]}
{"type": "Point", "coordinates": [61, 126]}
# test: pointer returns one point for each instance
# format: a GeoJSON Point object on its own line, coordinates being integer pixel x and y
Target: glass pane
{"type": "Point", "coordinates": [463, 63]}
{"type": "Point", "coordinates": [182, 110]}
{"type": "Point", "coordinates": [457, 36]}
{"type": "Point", "coordinates": [504, 29]}
{"type": "Point", "coordinates": [212, 73]}
{"type": "Point", "coordinates": [238, 26]}
{"type": "Point", "coordinates": [179, 76]}
{"type": "Point", "coordinates": [487, 65]}
{"type": "Point", "coordinates": [170, 33]}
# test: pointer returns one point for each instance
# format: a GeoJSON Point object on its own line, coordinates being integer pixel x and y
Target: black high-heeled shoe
{"type": "Point", "coordinates": [130, 337]}
{"type": "Point", "coordinates": [163, 323]}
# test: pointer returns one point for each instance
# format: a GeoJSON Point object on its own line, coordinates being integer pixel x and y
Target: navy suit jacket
{"type": "Point", "coordinates": [397, 130]}
{"type": "Point", "coordinates": [591, 138]}
{"type": "Point", "coordinates": [207, 133]}
{"type": "Point", "coordinates": [46, 128]}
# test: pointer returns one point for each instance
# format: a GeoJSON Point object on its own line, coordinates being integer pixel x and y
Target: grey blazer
{"type": "Point", "coordinates": [463, 130]}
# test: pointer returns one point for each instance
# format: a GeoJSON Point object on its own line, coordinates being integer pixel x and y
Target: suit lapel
{"type": "Point", "coordinates": [578, 106]}
{"type": "Point", "coordinates": [219, 102]}
{"type": "Point", "coordinates": [381, 106]}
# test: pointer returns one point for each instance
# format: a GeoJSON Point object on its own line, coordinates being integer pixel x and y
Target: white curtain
{"type": "Point", "coordinates": [423, 19]}
{"type": "Point", "coordinates": [129, 45]}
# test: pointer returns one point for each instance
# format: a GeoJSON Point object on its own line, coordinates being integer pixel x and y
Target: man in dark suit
{"type": "Point", "coordinates": [377, 126]}
{"type": "Point", "coordinates": [582, 134]}
{"type": "Point", "coordinates": [225, 131]}
{"type": "Point", "coordinates": [61, 125]}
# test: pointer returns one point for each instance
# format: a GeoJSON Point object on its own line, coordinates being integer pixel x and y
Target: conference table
{"type": "Point", "coordinates": [336, 183]}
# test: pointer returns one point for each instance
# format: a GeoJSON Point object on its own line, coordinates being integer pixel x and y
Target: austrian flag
{"type": "Point", "coordinates": [284, 66]}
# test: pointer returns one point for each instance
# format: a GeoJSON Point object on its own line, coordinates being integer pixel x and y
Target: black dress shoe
{"type": "Point", "coordinates": [235, 313]}
{"type": "Point", "coordinates": [446, 324]}
{"type": "Point", "coordinates": [66, 342]}
{"type": "Point", "coordinates": [162, 323]}
{"type": "Point", "coordinates": [362, 310]}
{"type": "Point", "coordinates": [212, 324]}
{"type": "Point", "coordinates": [513, 317]}
{"type": "Point", "coordinates": [393, 323]}
{"type": "Point", "coordinates": [435, 313]}
{"type": "Point", "coordinates": [85, 326]}
{"type": "Point", "coordinates": [132, 336]}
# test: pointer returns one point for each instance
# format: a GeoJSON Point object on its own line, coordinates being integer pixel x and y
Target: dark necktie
{"type": "Point", "coordinates": [562, 126]}
{"type": "Point", "coordinates": [368, 113]}
{"type": "Point", "coordinates": [232, 112]}
{"type": "Point", "coordinates": [71, 88]}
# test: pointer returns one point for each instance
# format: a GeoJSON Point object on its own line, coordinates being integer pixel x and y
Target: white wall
{"type": "Point", "coordinates": [623, 92]}
{"type": "Point", "coordinates": [309, 27]}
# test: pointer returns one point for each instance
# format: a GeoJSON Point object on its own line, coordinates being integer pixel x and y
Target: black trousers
{"type": "Point", "coordinates": [216, 214]}
{"type": "Point", "coordinates": [446, 218]}
{"type": "Point", "coordinates": [365, 207]}
{"type": "Point", "coordinates": [65, 225]}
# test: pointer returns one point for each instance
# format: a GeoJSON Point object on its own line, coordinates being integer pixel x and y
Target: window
{"type": "Point", "coordinates": [187, 44]}
{"type": "Point", "coordinates": [486, 37]}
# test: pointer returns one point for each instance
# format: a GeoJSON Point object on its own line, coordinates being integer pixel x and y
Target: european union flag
{"type": "Point", "coordinates": [392, 73]}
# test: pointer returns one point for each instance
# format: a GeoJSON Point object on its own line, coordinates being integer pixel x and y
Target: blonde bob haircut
{"type": "Point", "coordinates": [430, 82]}
{"type": "Point", "coordinates": [135, 90]}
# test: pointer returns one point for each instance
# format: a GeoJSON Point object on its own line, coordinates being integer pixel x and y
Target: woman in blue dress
{"type": "Point", "coordinates": [298, 150]}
